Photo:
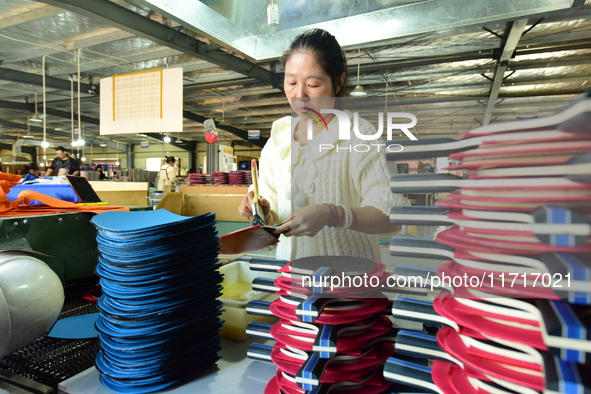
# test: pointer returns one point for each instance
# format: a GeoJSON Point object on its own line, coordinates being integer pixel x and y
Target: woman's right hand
{"type": "Point", "coordinates": [245, 207]}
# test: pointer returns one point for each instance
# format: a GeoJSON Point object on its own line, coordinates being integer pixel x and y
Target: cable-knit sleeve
{"type": "Point", "coordinates": [370, 173]}
{"type": "Point", "coordinates": [269, 181]}
{"type": "Point", "coordinates": [267, 186]}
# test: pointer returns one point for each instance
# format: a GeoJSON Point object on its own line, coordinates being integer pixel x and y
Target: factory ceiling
{"type": "Point", "coordinates": [455, 64]}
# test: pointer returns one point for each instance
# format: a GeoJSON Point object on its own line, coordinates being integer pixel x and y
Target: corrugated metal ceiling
{"type": "Point", "coordinates": [443, 76]}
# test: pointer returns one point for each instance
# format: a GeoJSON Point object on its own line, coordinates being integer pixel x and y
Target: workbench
{"type": "Point", "coordinates": [234, 373]}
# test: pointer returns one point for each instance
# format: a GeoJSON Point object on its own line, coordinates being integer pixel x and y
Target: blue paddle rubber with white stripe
{"type": "Point", "coordinates": [561, 320]}
{"type": "Point", "coordinates": [321, 279]}
{"type": "Point", "coordinates": [325, 344]}
{"type": "Point", "coordinates": [309, 309]}
{"type": "Point", "coordinates": [564, 376]}
{"type": "Point", "coordinates": [552, 214]}
{"type": "Point", "coordinates": [311, 372]}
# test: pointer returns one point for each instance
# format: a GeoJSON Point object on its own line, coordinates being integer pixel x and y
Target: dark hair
{"type": "Point", "coordinates": [169, 159]}
{"type": "Point", "coordinates": [97, 167]}
{"type": "Point", "coordinates": [60, 148]}
{"type": "Point", "coordinates": [328, 52]}
{"type": "Point", "coordinates": [33, 167]}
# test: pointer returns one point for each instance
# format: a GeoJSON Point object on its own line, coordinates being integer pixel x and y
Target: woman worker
{"type": "Point", "coordinates": [328, 201]}
{"type": "Point", "coordinates": [167, 174]}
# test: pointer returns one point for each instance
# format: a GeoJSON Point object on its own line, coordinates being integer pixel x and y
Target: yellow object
{"type": "Point", "coordinates": [236, 293]}
{"type": "Point", "coordinates": [240, 291]}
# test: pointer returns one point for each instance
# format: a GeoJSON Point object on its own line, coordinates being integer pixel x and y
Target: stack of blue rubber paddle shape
{"type": "Point", "coordinates": [159, 313]}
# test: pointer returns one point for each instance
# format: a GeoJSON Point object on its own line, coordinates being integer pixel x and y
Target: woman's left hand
{"type": "Point", "coordinates": [305, 221]}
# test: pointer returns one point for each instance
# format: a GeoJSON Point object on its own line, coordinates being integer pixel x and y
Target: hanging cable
{"type": "Point", "coordinates": [44, 143]}
{"type": "Point", "coordinates": [80, 137]}
{"type": "Point", "coordinates": [72, 107]}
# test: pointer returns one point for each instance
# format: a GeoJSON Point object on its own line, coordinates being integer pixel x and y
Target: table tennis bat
{"type": "Point", "coordinates": [401, 371]}
{"type": "Point", "coordinates": [550, 224]}
{"type": "Point", "coordinates": [265, 264]}
{"type": "Point", "coordinates": [552, 371]}
{"type": "Point", "coordinates": [499, 153]}
{"type": "Point", "coordinates": [560, 328]}
{"type": "Point", "coordinates": [577, 168]}
{"type": "Point", "coordinates": [427, 148]}
{"type": "Point", "coordinates": [512, 160]}
{"type": "Point", "coordinates": [443, 183]}
{"type": "Point", "coordinates": [458, 201]}
{"type": "Point", "coordinates": [373, 383]}
{"type": "Point", "coordinates": [310, 371]}
{"type": "Point", "coordinates": [456, 238]}
{"type": "Point", "coordinates": [453, 379]}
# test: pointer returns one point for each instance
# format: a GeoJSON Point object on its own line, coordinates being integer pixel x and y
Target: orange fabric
{"type": "Point", "coordinates": [53, 205]}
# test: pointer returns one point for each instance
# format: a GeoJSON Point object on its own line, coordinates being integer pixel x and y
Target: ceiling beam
{"type": "Point", "coordinates": [102, 36]}
{"type": "Point", "coordinates": [57, 83]}
{"type": "Point", "coordinates": [115, 15]}
{"type": "Point", "coordinates": [514, 35]}
{"type": "Point", "coordinates": [28, 16]}
{"type": "Point", "coordinates": [35, 79]}
{"type": "Point", "coordinates": [122, 147]}
{"type": "Point", "coordinates": [230, 129]}
{"type": "Point", "coordinates": [15, 105]}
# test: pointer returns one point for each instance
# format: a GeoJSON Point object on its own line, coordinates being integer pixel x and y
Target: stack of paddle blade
{"type": "Point", "coordinates": [330, 337]}
{"type": "Point", "coordinates": [515, 290]}
{"type": "Point", "coordinates": [159, 312]}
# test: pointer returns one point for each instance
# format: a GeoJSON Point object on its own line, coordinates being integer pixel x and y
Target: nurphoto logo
{"type": "Point", "coordinates": [345, 129]}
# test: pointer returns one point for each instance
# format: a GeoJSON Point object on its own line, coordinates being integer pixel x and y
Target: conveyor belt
{"type": "Point", "coordinates": [50, 360]}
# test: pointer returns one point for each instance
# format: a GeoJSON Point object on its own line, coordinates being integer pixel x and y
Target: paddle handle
{"type": "Point", "coordinates": [259, 330]}
{"type": "Point", "coordinates": [400, 371]}
{"type": "Point", "coordinates": [309, 375]}
{"type": "Point", "coordinates": [259, 308]}
{"type": "Point", "coordinates": [420, 247]}
{"type": "Point", "coordinates": [309, 309]}
{"type": "Point", "coordinates": [420, 311]}
{"type": "Point", "coordinates": [424, 183]}
{"type": "Point", "coordinates": [266, 285]}
{"type": "Point", "coordinates": [420, 216]}
{"type": "Point", "coordinates": [425, 148]}
{"type": "Point", "coordinates": [325, 344]}
{"type": "Point", "coordinates": [264, 264]}
{"type": "Point", "coordinates": [259, 352]}
{"type": "Point", "coordinates": [418, 344]}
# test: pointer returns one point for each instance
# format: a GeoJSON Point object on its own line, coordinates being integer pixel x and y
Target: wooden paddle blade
{"type": "Point", "coordinates": [246, 240]}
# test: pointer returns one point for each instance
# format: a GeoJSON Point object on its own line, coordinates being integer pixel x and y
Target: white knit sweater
{"type": "Point", "coordinates": [293, 176]}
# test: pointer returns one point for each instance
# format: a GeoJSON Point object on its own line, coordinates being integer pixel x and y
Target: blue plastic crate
{"type": "Point", "coordinates": [62, 192]}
